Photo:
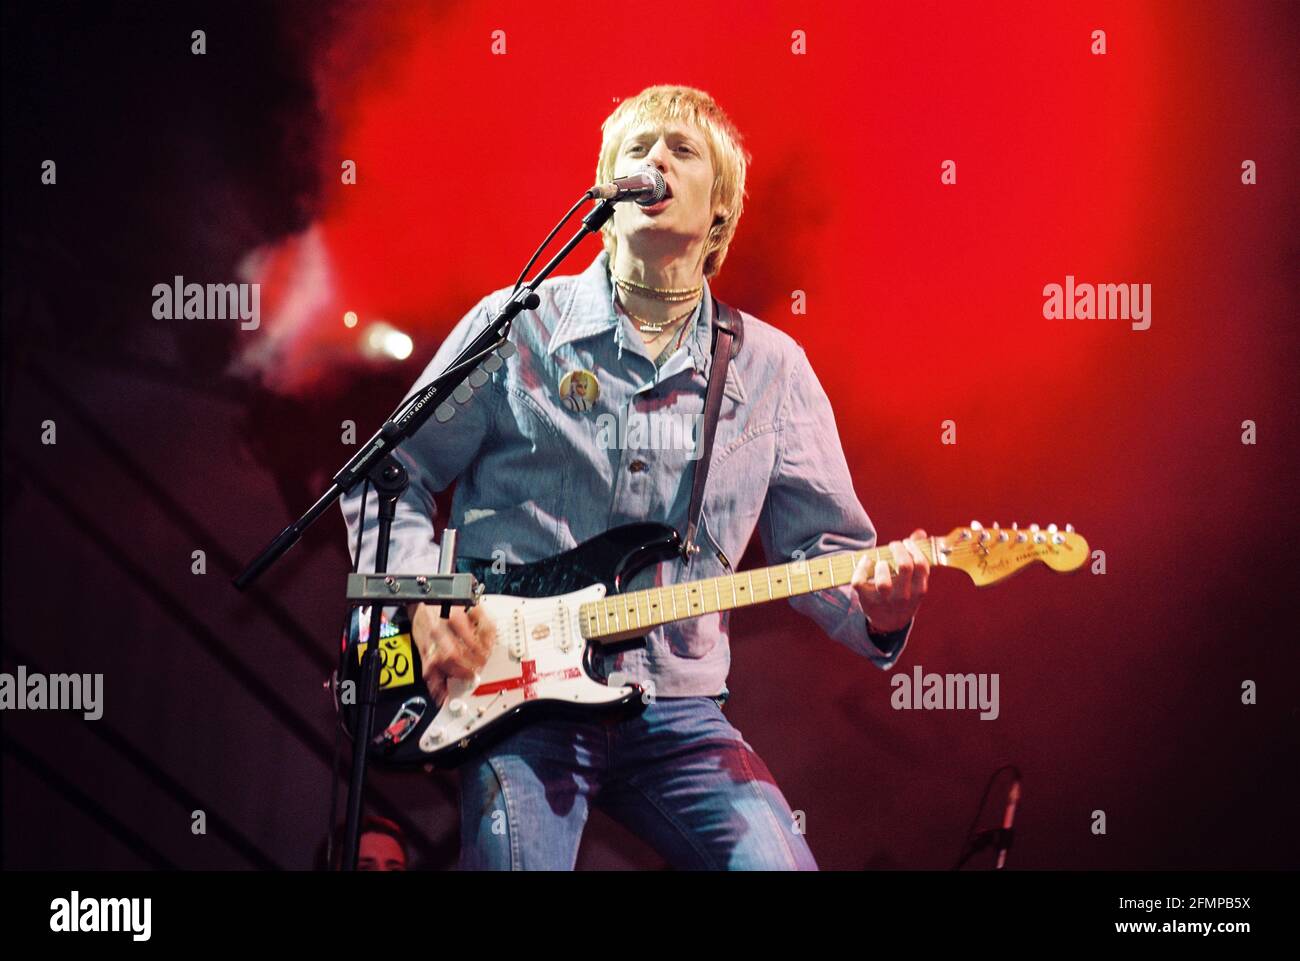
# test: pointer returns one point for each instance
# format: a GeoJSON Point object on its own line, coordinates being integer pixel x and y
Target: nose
{"type": "Point", "coordinates": [659, 154]}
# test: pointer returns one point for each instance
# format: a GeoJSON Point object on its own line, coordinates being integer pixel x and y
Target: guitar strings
{"type": "Point", "coordinates": [623, 614]}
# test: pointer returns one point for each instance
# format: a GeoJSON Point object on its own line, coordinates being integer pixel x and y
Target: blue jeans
{"type": "Point", "coordinates": [679, 776]}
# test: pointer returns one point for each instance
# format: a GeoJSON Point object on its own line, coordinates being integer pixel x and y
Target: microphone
{"type": "Point", "coordinates": [646, 187]}
{"type": "Point", "coordinates": [1004, 836]}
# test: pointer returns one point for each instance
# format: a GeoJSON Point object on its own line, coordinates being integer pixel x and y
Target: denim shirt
{"type": "Point", "coordinates": [537, 476]}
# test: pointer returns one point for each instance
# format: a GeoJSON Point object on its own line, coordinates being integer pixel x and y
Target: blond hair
{"type": "Point", "coordinates": [668, 102]}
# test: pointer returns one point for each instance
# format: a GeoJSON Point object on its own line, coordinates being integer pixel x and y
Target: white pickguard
{"type": "Point", "coordinates": [538, 657]}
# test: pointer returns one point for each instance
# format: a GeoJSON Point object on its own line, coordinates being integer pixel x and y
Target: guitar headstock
{"type": "Point", "coordinates": [990, 554]}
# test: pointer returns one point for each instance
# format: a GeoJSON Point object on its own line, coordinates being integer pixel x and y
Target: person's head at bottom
{"type": "Point", "coordinates": [383, 847]}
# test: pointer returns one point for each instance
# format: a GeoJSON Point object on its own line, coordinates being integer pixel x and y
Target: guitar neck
{"type": "Point", "coordinates": [622, 615]}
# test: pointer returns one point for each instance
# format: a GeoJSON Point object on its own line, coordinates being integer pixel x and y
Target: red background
{"type": "Point", "coordinates": [1120, 692]}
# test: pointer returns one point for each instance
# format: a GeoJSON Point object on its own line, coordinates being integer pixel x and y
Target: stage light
{"type": "Point", "coordinates": [383, 340]}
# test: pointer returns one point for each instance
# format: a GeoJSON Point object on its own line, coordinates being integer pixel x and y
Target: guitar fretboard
{"type": "Point", "coordinates": [644, 609]}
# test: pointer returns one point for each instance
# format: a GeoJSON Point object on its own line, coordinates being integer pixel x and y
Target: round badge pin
{"type": "Point", "coordinates": [579, 390]}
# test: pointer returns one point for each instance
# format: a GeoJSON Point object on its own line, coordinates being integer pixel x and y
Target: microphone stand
{"type": "Point", "coordinates": [375, 461]}
{"type": "Point", "coordinates": [999, 838]}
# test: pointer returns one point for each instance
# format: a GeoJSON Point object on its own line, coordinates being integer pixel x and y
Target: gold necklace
{"type": "Point", "coordinates": [668, 294]}
{"type": "Point", "coordinates": [653, 327]}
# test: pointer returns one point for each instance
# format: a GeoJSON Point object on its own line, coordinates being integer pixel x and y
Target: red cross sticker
{"type": "Point", "coordinates": [527, 680]}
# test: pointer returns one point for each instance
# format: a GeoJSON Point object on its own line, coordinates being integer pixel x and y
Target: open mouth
{"type": "Point", "coordinates": [668, 195]}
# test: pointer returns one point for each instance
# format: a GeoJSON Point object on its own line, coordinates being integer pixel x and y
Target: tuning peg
{"type": "Point", "coordinates": [1051, 528]}
{"type": "Point", "coordinates": [976, 526]}
{"type": "Point", "coordinates": [1033, 527]}
{"type": "Point", "coordinates": [1015, 526]}
{"type": "Point", "coordinates": [1069, 528]}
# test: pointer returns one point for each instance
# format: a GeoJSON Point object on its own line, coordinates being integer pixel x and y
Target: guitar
{"type": "Point", "coordinates": [551, 615]}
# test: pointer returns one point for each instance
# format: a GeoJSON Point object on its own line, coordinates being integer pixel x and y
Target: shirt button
{"type": "Point", "coordinates": [636, 466]}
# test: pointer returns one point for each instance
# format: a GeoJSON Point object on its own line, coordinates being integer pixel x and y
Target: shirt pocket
{"type": "Point", "coordinates": [737, 487]}
{"type": "Point", "coordinates": [531, 461]}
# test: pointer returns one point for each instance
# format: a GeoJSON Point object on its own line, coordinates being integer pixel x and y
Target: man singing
{"type": "Point", "coordinates": [537, 473]}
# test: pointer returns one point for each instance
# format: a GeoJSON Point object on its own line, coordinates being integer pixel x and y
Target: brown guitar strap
{"type": "Point", "coordinates": [728, 335]}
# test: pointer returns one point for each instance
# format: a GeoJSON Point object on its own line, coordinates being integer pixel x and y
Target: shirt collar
{"type": "Point", "coordinates": [590, 312]}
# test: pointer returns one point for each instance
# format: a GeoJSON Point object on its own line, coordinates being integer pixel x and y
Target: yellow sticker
{"type": "Point", "coordinates": [579, 390]}
{"type": "Point", "coordinates": [396, 663]}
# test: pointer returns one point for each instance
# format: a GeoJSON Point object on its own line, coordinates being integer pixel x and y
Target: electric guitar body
{"type": "Point", "coordinates": [541, 667]}
{"type": "Point", "coordinates": [550, 616]}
